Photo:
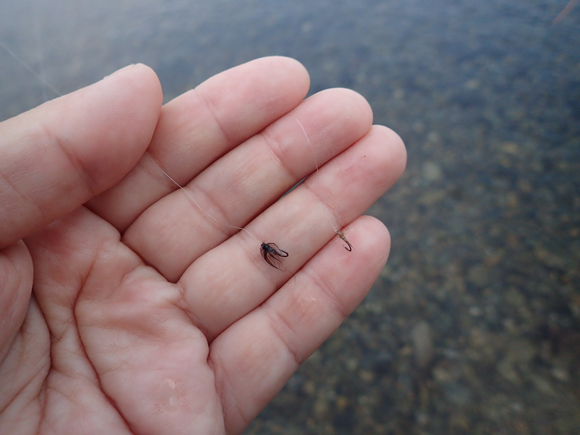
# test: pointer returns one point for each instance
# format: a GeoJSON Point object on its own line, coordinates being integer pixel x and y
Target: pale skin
{"type": "Point", "coordinates": [125, 308]}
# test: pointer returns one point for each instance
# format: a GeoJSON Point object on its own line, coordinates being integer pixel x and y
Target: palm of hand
{"type": "Point", "coordinates": [148, 314]}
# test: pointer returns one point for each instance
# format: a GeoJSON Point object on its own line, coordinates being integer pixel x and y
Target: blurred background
{"type": "Point", "coordinates": [474, 324]}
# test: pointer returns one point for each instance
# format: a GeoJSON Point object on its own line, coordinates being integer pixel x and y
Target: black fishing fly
{"type": "Point", "coordinates": [273, 255]}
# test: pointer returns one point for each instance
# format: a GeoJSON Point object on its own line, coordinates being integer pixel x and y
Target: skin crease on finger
{"type": "Point", "coordinates": [265, 256]}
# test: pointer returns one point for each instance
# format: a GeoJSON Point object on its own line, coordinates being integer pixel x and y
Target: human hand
{"type": "Point", "coordinates": [150, 313]}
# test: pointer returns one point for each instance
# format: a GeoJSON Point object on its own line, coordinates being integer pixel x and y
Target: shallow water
{"type": "Point", "coordinates": [474, 325]}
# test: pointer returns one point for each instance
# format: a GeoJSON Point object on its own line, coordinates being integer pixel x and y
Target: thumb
{"type": "Point", "coordinates": [57, 156]}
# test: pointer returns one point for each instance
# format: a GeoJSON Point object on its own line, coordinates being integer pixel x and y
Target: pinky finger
{"type": "Point", "coordinates": [256, 356]}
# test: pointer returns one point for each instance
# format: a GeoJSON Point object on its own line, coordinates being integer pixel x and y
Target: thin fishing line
{"type": "Point", "coordinates": [200, 207]}
{"type": "Point", "coordinates": [40, 54]}
{"type": "Point", "coordinates": [270, 252]}
{"type": "Point", "coordinates": [25, 65]}
{"type": "Point", "coordinates": [315, 163]}
{"type": "Point", "coordinates": [338, 232]}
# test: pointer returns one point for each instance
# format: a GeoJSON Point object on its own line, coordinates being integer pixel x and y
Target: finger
{"type": "Point", "coordinates": [253, 359]}
{"type": "Point", "coordinates": [57, 156]}
{"type": "Point", "coordinates": [198, 127]}
{"type": "Point", "coordinates": [180, 228]}
{"type": "Point", "coordinates": [232, 279]}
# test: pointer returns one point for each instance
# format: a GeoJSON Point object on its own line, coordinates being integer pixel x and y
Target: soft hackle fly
{"type": "Point", "coordinates": [273, 255]}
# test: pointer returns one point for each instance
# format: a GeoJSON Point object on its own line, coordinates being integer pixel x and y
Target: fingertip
{"type": "Point", "coordinates": [129, 110]}
{"type": "Point", "coordinates": [292, 68]}
{"type": "Point", "coordinates": [389, 153]}
{"type": "Point", "coordinates": [358, 105]}
{"type": "Point", "coordinates": [105, 128]}
{"type": "Point", "coordinates": [348, 106]}
{"type": "Point", "coordinates": [371, 236]}
{"type": "Point", "coordinates": [398, 150]}
{"type": "Point", "coordinates": [140, 77]}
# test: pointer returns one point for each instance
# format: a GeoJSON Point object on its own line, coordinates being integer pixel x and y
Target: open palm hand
{"type": "Point", "coordinates": [130, 306]}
